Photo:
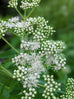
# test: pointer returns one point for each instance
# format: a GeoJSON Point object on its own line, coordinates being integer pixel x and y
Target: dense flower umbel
{"type": "Point", "coordinates": [50, 87]}
{"type": "Point", "coordinates": [29, 68]}
{"type": "Point", "coordinates": [69, 89]}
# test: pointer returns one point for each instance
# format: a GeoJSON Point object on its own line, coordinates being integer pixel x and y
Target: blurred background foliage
{"type": "Point", "coordinates": [60, 14]}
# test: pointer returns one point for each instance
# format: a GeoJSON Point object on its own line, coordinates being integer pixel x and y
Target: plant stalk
{"type": "Point", "coordinates": [6, 71]}
{"type": "Point", "coordinates": [30, 12]}
{"type": "Point", "coordinates": [41, 85]}
{"type": "Point", "coordinates": [10, 45]}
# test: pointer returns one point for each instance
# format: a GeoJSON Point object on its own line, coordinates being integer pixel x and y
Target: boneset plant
{"type": "Point", "coordinates": [37, 53]}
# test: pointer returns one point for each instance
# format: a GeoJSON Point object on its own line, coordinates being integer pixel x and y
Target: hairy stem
{"type": "Point", "coordinates": [10, 45]}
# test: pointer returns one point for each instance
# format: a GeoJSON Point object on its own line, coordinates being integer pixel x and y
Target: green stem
{"type": "Point", "coordinates": [30, 12]}
{"type": "Point", "coordinates": [10, 45]}
{"type": "Point", "coordinates": [2, 90]}
{"type": "Point", "coordinates": [25, 14]}
{"type": "Point", "coordinates": [20, 13]}
{"type": "Point", "coordinates": [6, 71]}
{"type": "Point", "coordinates": [5, 86]}
{"type": "Point", "coordinates": [41, 85]}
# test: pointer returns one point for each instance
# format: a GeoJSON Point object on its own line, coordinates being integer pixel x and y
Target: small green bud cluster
{"type": "Point", "coordinates": [30, 94]}
{"type": "Point", "coordinates": [29, 4]}
{"type": "Point", "coordinates": [13, 3]}
{"type": "Point", "coordinates": [69, 89]}
{"type": "Point", "coordinates": [3, 29]}
{"type": "Point", "coordinates": [50, 87]}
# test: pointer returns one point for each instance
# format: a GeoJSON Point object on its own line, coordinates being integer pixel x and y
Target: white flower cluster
{"type": "Point", "coordinates": [29, 95]}
{"type": "Point", "coordinates": [14, 19]}
{"type": "Point", "coordinates": [3, 29]}
{"type": "Point", "coordinates": [13, 3]}
{"type": "Point", "coordinates": [29, 68]}
{"type": "Point", "coordinates": [36, 26]}
{"type": "Point", "coordinates": [50, 87]}
{"type": "Point", "coordinates": [29, 4]}
{"type": "Point", "coordinates": [52, 49]}
{"type": "Point", "coordinates": [41, 30]}
{"type": "Point", "coordinates": [69, 90]}
{"type": "Point", "coordinates": [18, 27]}
{"type": "Point", "coordinates": [29, 45]}
{"type": "Point", "coordinates": [57, 61]}
{"type": "Point", "coordinates": [25, 4]}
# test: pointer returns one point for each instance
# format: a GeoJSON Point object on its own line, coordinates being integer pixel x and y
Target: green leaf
{"type": "Point", "coordinates": [15, 41]}
{"type": "Point", "coordinates": [4, 78]}
{"type": "Point", "coordinates": [7, 54]}
{"type": "Point", "coordinates": [8, 64]}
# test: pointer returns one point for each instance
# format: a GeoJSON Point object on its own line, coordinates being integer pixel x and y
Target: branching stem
{"type": "Point", "coordinates": [20, 13]}
{"type": "Point", "coordinates": [30, 12]}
